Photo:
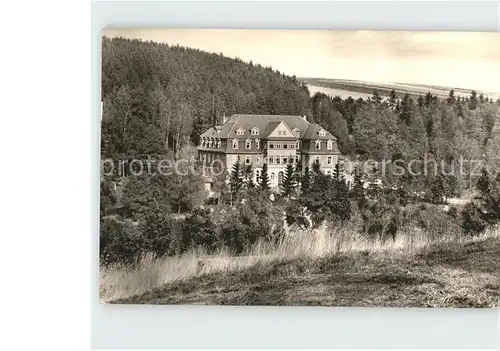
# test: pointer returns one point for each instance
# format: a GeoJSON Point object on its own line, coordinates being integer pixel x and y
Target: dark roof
{"type": "Point", "coordinates": [266, 124]}
{"type": "Point", "coordinates": [211, 132]}
{"type": "Point", "coordinates": [270, 127]}
{"type": "Point", "coordinates": [313, 132]}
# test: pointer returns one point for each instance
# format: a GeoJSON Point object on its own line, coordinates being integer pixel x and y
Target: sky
{"type": "Point", "coordinates": [469, 60]}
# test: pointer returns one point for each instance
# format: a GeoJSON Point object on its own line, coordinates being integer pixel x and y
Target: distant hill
{"type": "Point", "coordinates": [363, 89]}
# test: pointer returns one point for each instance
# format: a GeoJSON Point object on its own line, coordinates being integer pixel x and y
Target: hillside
{"type": "Point", "coordinates": [454, 274]}
{"type": "Point", "coordinates": [364, 89]}
{"type": "Point", "coordinates": [158, 97]}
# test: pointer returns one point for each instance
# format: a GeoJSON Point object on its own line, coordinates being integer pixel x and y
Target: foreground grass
{"type": "Point", "coordinates": [449, 273]}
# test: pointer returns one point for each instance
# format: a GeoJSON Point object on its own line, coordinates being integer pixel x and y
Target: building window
{"type": "Point", "coordinates": [248, 144]}
{"type": "Point", "coordinates": [254, 131]}
{"type": "Point", "coordinates": [297, 146]}
{"type": "Point", "coordinates": [218, 144]}
{"type": "Point", "coordinates": [285, 160]}
{"type": "Point", "coordinates": [329, 160]}
{"type": "Point", "coordinates": [318, 145]}
{"type": "Point", "coordinates": [278, 160]}
{"type": "Point", "coordinates": [257, 175]}
{"type": "Point", "coordinates": [285, 146]}
{"type": "Point", "coordinates": [257, 159]}
{"type": "Point", "coordinates": [235, 144]}
{"type": "Point", "coordinates": [272, 177]}
{"type": "Point", "coordinates": [322, 132]}
{"type": "Point", "coordinates": [317, 160]}
{"type": "Point", "coordinates": [257, 143]}
{"type": "Point", "coordinates": [297, 159]}
{"type": "Point", "coordinates": [271, 145]}
{"type": "Point", "coordinates": [248, 160]}
{"type": "Point", "coordinates": [329, 145]}
{"type": "Point", "coordinates": [240, 131]}
{"type": "Point", "coordinates": [278, 146]}
{"type": "Point", "coordinates": [292, 146]}
{"type": "Point", "coordinates": [271, 160]}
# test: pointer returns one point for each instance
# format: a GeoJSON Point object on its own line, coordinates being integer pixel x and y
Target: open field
{"type": "Point", "coordinates": [336, 271]}
{"type": "Point", "coordinates": [362, 89]}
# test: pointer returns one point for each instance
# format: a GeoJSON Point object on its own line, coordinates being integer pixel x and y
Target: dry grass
{"type": "Point", "coordinates": [150, 273]}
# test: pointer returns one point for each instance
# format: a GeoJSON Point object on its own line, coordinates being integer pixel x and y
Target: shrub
{"type": "Point", "coordinates": [144, 194]}
{"type": "Point", "coordinates": [120, 243]}
{"type": "Point", "coordinates": [161, 236]}
{"type": "Point", "coordinates": [472, 219]}
{"type": "Point", "coordinates": [432, 219]}
{"type": "Point", "coordinates": [200, 230]}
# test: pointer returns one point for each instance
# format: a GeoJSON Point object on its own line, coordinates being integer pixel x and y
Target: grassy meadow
{"type": "Point", "coordinates": [322, 267]}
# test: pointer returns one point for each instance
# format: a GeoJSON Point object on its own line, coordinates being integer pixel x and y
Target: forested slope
{"type": "Point", "coordinates": [158, 97]}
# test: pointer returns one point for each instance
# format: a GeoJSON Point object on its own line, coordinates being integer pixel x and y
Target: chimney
{"type": "Point", "coordinates": [304, 117]}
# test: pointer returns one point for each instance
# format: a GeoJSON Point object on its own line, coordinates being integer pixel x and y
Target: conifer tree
{"type": "Point", "coordinates": [235, 181]}
{"type": "Point", "coordinates": [264, 178]}
{"type": "Point", "coordinates": [358, 190]}
{"type": "Point", "coordinates": [483, 183]}
{"type": "Point", "coordinates": [288, 184]}
{"type": "Point", "coordinates": [338, 172]}
{"type": "Point", "coordinates": [451, 97]}
{"type": "Point", "coordinates": [249, 177]}
{"type": "Point", "coordinates": [316, 170]}
{"type": "Point", "coordinates": [305, 181]}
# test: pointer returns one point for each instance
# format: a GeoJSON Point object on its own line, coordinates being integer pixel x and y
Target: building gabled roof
{"type": "Point", "coordinates": [270, 127]}
{"type": "Point", "coordinates": [313, 133]}
{"type": "Point", "coordinates": [210, 133]}
{"type": "Point", "coordinates": [265, 124]}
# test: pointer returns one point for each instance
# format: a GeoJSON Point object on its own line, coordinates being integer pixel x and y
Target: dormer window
{"type": "Point", "coordinates": [322, 132]}
{"type": "Point", "coordinates": [218, 143]}
{"type": "Point", "coordinates": [202, 143]}
{"type": "Point", "coordinates": [329, 145]}
{"type": "Point", "coordinates": [248, 144]}
{"type": "Point", "coordinates": [257, 144]}
{"type": "Point", "coordinates": [318, 145]}
{"type": "Point", "coordinates": [240, 131]}
{"type": "Point", "coordinates": [210, 143]}
{"type": "Point", "coordinates": [254, 131]}
{"type": "Point", "coordinates": [235, 144]}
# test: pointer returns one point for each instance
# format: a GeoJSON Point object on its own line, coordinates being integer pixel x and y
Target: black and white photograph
{"type": "Point", "coordinates": [300, 168]}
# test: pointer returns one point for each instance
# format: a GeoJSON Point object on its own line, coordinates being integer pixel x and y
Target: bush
{"type": "Point", "coordinates": [120, 243]}
{"type": "Point", "coordinates": [200, 230]}
{"type": "Point", "coordinates": [472, 219]}
{"type": "Point", "coordinates": [485, 210]}
{"type": "Point", "coordinates": [161, 235]}
{"type": "Point", "coordinates": [432, 219]}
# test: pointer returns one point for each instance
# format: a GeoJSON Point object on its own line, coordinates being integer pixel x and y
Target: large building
{"type": "Point", "coordinates": [272, 139]}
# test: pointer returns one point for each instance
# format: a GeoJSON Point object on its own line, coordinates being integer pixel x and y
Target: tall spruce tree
{"type": "Point", "coordinates": [305, 181]}
{"type": "Point", "coordinates": [288, 183]}
{"type": "Point", "coordinates": [339, 172]}
{"type": "Point", "coordinates": [249, 177]}
{"type": "Point", "coordinates": [264, 178]}
{"type": "Point", "coordinates": [235, 181]}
